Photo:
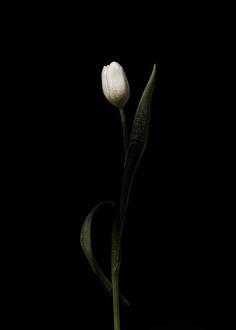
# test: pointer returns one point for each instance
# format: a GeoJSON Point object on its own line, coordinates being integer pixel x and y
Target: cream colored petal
{"type": "Point", "coordinates": [117, 84]}
{"type": "Point", "coordinates": [104, 83]}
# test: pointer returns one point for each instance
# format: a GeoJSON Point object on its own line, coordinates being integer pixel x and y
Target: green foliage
{"type": "Point", "coordinates": [85, 241]}
{"type": "Point", "coordinates": [136, 146]}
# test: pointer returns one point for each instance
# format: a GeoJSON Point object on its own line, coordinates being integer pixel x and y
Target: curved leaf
{"type": "Point", "coordinates": [136, 147]}
{"type": "Point", "coordinates": [138, 141]}
{"type": "Point", "coordinates": [85, 241]}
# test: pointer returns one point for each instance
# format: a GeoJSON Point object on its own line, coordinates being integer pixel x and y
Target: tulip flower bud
{"type": "Point", "coordinates": [115, 84]}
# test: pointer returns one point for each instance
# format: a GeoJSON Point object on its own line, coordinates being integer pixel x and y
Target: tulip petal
{"type": "Point", "coordinates": [85, 241]}
{"type": "Point", "coordinates": [115, 84]}
{"type": "Point", "coordinates": [104, 83]}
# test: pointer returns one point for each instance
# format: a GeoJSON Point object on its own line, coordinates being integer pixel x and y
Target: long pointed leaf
{"type": "Point", "coordinates": [85, 241]}
{"type": "Point", "coordinates": [138, 140]}
{"type": "Point", "coordinates": [136, 147]}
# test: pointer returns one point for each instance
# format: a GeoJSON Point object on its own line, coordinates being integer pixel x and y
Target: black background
{"type": "Point", "coordinates": [69, 155]}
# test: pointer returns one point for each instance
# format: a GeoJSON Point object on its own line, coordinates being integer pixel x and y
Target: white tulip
{"type": "Point", "coordinates": [115, 84]}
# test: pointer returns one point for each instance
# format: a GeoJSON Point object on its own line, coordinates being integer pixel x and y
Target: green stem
{"type": "Point", "coordinates": [115, 265]}
{"type": "Point", "coordinates": [124, 129]}
{"type": "Point", "coordinates": [115, 296]}
{"type": "Point", "coordinates": [116, 244]}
